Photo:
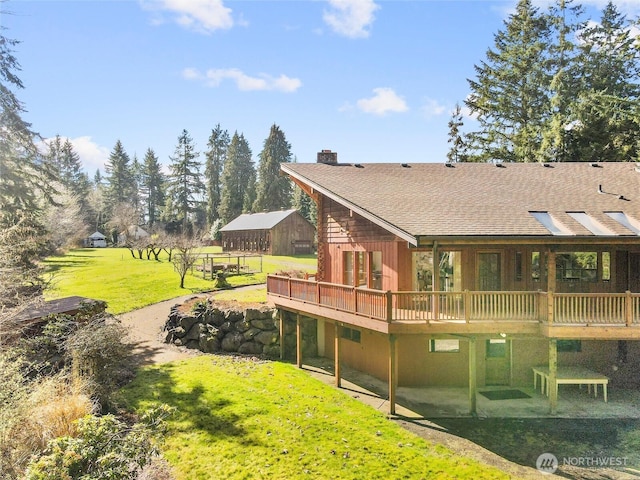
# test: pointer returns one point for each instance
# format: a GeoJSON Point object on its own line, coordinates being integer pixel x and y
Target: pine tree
{"type": "Point", "coordinates": [152, 187]}
{"type": "Point", "coordinates": [215, 158]}
{"type": "Point", "coordinates": [185, 186]}
{"type": "Point", "coordinates": [305, 205]}
{"type": "Point", "coordinates": [237, 176]}
{"type": "Point", "coordinates": [273, 191]}
{"type": "Point", "coordinates": [510, 93]}
{"type": "Point", "coordinates": [120, 180]}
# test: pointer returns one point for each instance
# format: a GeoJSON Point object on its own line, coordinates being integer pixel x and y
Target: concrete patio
{"type": "Point", "coordinates": [453, 402]}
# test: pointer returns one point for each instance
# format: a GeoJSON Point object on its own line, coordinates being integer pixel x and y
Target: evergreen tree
{"type": "Point", "coordinates": [185, 186]}
{"type": "Point", "coordinates": [152, 187]}
{"type": "Point", "coordinates": [97, 178]}
{"type": "Point", "coordinates": [565, 21]}
{"type": "Point", "coordinates": [120, 180]}
{"type": "Point", "coordinates": [237, 176]}
{"type": "Point", "coordinates": [215, 158]}
{"type": "Point", "coordinates": [510, 93]}
{"type": "Point", "coordinates": [604, 119]}
{"type": "Point", "coordinates": [457, 152]}
{"type": "Point", "coordinates": [23, 174]}
{"type": "Point", "coordinates": [273, 191]}
{"type": "Point", "coordinates": [305, 205]}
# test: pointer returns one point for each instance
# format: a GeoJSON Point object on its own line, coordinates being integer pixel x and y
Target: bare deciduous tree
{"type": "Point", "coordinates": [185, 255]}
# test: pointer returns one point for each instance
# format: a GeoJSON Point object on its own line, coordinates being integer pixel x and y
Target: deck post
{"type": "Point", "coordinates": [550, 307]}
{"type": "Point", "coordinates": [336, 354]}
{"type": "Point", "coordinates": [298, 340]}
{"type": "Point", "coordinates": [282, 334]}
{"type": "Point", "coordinates": [552, 385]}
{"type": "Point", "coordinates": [389, 297]}
{"type": "Point", "coordinates": [393, 373]}
{"type": "Point", "coordinates": [435, 282]}
{"type": "Point", "coordinates": [628, 308]}
{"type": "Point", "coordinates": [473, 377]}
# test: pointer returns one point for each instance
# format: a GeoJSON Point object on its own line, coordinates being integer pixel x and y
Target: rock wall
{"type": "Point", "coordinates": [256, 331]}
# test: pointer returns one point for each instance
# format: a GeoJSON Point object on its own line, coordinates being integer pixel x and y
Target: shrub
{"type": "Point", "coordinates": [105, 448]}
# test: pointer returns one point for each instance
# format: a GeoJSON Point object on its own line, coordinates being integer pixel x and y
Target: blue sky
{"type": "Point", "coordinates": [375, 81]}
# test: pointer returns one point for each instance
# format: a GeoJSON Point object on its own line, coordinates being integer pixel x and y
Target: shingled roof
{"type": "Point", "coordinates": [257, 221]}
{"type": "Point", "coordinates": [480, 199]}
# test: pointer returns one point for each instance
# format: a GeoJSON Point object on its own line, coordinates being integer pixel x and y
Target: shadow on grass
{"type": "Point", "coordinates": [71, 260]}
{"type": "Point", "coordinates": [201, 410]}
{"type": "Point", "coordinates": [523, 440]}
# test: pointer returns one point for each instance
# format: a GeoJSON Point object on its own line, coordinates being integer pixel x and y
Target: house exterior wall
{"type": "Point", "coordinates": [342, 232]}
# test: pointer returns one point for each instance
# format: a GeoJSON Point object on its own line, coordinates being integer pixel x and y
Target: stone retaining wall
{"type": "Point", "coordinates": [255, 331]}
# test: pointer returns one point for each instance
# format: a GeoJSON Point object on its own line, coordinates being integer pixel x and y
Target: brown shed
{"type": "Point", "coordinates": [284, 232]}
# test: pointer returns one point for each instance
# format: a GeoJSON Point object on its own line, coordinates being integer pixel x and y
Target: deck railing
{"type": "Point", "coordinates": [467, 306]}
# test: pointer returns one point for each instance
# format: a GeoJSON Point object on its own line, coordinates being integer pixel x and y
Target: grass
{"type": "Point", "coordinates": [125, 283]}
{"type": "Point", "coordinates": [239, 418]}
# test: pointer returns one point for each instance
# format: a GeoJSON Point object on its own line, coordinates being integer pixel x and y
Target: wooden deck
{"type": "Point", "coordinates": [557, 315]}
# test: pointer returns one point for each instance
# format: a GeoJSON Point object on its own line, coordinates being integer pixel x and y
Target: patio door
{"type": "Point", "coordinates": [498, 361]}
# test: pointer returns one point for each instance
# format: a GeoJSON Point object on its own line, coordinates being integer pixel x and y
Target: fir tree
{"type": "Point", "coordinates": [23, 174]}
{"type": "Point", "coordinates": [152, 187]}
{"type": "Point", "coordinates": [215, 158]}
{"type": "Point", "coordinates": [273, 191]}
{"type": "Point", "coordinates": [457, 152]}
{"type": "Point", "coordinates": [605, 106]}
{"type": "Point", "coordinates": [237, 176]}
{"type": "Point", "coordinates": [185, 186]}
{"type": "Point", "coordinates": [509, 93]}
{"type": "Point", "coordinates": [120, 180]}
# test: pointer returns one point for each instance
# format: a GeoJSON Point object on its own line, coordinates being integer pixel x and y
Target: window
{"type": "Point", "coordinates": [362, 269]}
{"type": "Point", "coordinates": [450, 271]}
{"type": "Point", "coordinates": [535, 266]}
{"type": "Point", "coordinates": [422, 271]}
{"type": "Point", "coordinates": [496, 348]}
{"type": "Point", "coordinates": [348, 268]}
{"type": "Point", "coordinates": [518, 267]}
{"type": "Point", "coordinates": [577, 267]}
{"type": "Point", "coordinates": [569, 346]}
{"type": "Point", "coordinates": [350, 334]}
{"type": "Point", "coordinates": [444, 345]}
{"type": "Point", "coordinates": [375, 264]}
{"type": "Point", "coordinates": [606, 266]}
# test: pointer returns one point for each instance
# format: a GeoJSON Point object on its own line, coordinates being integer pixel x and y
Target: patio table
{"type": "Point", "coordinates": [570, 375]}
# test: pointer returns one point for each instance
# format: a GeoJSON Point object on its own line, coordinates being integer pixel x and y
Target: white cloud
{"type": "Point", "coordinates": [351, 18]}
{"type": "Point", "coordinates": [384, 101]}
{"type": "Point", "coordinates": [203, 16]}
{"type": "Point", "coordinates": [432, 108]}
{"type": "Point", "coordinates": [92, 156]}
{"type": "Point", "coordinates": [214, 77]}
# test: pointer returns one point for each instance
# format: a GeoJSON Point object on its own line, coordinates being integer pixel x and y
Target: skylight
{"type": "Point", "coordinates": [626, 221]}
{"type": "Point", "coordinates": [550, 223]}
{"type": "Point", "coordinates": [590, 223]}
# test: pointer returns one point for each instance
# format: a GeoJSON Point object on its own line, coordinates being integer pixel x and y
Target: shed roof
{"type": "Point", "coordinates": [257, 221]}
{"type": "Point", "coordinates": [97, 236]}
{"type": "Point", "coordinates": [480, 199]}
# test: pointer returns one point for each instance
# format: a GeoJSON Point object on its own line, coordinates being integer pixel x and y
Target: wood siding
{"type": "Point", "coordinates": [279, 240]}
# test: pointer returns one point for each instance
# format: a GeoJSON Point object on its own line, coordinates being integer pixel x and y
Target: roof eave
{"type": "Point", "coordinates": [412, 239]}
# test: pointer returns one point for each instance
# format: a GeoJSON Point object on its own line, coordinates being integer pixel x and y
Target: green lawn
{"type": "Point", "coordinates": [243, 419]}
{"type": "Point", "coordinates": [125, 283]}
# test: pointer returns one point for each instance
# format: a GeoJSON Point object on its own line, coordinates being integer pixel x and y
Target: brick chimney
{"type": "Point", "coordinates": [328, 157]}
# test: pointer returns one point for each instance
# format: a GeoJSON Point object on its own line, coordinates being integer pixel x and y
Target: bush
{"type": "Point", "coordinates": [33, 412]}
{"type": "Point", "coordinates": [105, 448]}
